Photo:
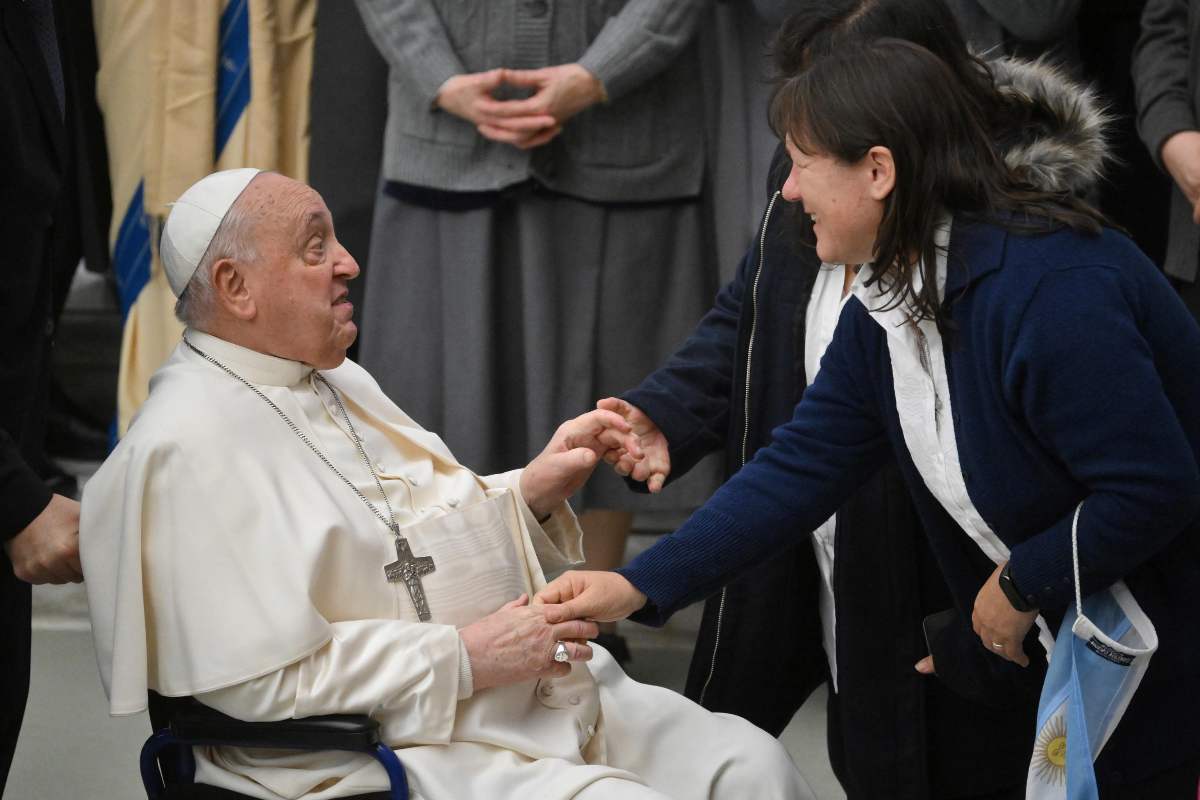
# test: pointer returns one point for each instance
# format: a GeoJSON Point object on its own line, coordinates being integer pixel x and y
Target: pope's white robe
{"type": "Point", "coordinates": [227, 562]}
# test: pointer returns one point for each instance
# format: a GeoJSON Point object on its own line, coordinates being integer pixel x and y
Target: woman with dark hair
{"type": "Point", "coordinates": [1017, 359]}
{"type": "Point", "coordinates": [892, 732]}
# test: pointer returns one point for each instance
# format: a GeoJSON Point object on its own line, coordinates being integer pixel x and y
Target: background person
{"type": "Point", "coordinates": [39, 223]}
{"type": "Point", "coordinates": [1168, 91]}
{"type": "Point", "coordinates": [509, 232]}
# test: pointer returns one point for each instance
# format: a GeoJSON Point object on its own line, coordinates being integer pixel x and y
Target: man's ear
{"type": "Point", "coordinates": [883, 172]}
{"type": "Point", "coordinates": [231, 290]}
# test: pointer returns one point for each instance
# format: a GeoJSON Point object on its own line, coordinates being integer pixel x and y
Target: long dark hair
{"type": "Point", "coordinates": [901, 96]}
{"type": "Point", "coordinates": [818, 29]}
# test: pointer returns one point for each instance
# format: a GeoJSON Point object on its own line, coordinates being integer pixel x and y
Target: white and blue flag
{"type": "Point", "coordinates": [1101, 652]}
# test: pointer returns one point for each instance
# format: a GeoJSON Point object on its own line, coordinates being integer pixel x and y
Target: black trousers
{"type": "Point", "coordinates": [14, 662]}
{"type": "Point", "coordinates": [1177, 783]}
{"type": "Point", "coordinates": [837, 760]}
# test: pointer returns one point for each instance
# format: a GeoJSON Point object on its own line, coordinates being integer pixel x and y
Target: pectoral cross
{"type": "Point", "coordinates": [410, 569]}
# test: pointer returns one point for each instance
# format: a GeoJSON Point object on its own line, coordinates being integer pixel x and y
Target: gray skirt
{"type": "Point", "coordinates": [492, 326]}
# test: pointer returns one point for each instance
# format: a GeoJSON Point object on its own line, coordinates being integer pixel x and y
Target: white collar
{"type": "Point", "coordinates": [876, 297]}
{"type": "Point", "coordinates": [252, 365]}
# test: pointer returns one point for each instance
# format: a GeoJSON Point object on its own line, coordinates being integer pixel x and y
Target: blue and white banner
{"type": "Point", "coordinates": [188, 88]}
{"type": "Point", "coordinates": [1101, 652]}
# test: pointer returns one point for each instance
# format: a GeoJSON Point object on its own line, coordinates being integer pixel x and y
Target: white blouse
{"type": "Point", "coordinates": [923, 402]}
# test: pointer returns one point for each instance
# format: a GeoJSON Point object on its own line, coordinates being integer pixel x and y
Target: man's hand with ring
{"type": "Point", "coordinates": [517, 644]}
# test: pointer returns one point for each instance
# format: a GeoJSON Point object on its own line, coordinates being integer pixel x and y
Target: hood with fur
{"type": "Point", "coordinates": [1061, 144]}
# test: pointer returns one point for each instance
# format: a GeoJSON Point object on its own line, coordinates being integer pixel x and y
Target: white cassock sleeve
{"type": "Point", "coordinates": [558, 542]}
{"type": "Point", "coordinates": [407, 675]}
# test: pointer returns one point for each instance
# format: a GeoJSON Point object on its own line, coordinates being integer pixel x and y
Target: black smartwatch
{"type": "Point", "coordinates": [1011, 591]}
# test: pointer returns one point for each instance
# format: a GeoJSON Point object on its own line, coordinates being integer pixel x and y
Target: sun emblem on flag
{"type": "Point", "coordinates": [1050, 752]}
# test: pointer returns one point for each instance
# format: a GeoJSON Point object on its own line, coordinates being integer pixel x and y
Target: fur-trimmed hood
{"type": "Point", "coordinates": [1061, 144]}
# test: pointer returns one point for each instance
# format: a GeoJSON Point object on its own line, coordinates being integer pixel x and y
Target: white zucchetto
{"type": "Point", "coordinates": [194, 220]}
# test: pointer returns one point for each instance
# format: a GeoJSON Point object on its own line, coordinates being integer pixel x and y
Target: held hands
{"type": "Point", "coordinates": [47, 551]}
{"type": "Point", "coordinates": [517, 643]}
{"type": "Point", "coordinates": [569, 458]}
{"type": "Point", "coordinates": [601, 596]}
{"type": "Point", "coordinates": [560, 92]}
{"type": "Point", "coordinates": [1181, 156]}
{"type": "Point", "coordinates": [1000, 627]}
{"type": "Point", "coordinates": [654, 466]}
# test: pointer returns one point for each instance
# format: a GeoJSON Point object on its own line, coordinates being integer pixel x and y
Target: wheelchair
{"type": "Point", "coordinates": [168, 767]}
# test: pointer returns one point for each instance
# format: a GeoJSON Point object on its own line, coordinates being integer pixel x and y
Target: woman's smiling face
{"type": "Point", "coordinates": [842, 199]}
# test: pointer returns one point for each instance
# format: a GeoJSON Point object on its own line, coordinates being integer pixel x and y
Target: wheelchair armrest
{"type": "Point", "coordinates": [200, 724]}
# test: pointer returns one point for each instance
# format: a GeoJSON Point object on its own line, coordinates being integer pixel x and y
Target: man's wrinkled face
{"type": "Point", "coordinates": [300, 285]}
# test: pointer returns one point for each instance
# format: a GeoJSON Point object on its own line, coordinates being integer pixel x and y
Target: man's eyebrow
{"type": "Point", "coordinates": [314, 218]}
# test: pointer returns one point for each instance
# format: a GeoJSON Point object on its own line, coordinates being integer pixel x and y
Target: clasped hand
{"type": "Point", "coordinates": [47, 550]}
{"type": "Point", "coordinates": [517, 643]}
{"type": "Point", "coordinates": [573, 452]}
{"type": "Point", "coordinates": [559, 93]}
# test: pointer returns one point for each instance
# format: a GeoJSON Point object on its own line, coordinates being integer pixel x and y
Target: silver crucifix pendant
{"type": "Point", "coordinates": [410, 569]}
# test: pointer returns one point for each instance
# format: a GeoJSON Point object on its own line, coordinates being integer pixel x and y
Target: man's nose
{"type": "Point", "coordinates": [345, 265]}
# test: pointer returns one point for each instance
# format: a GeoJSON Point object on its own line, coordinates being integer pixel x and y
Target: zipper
{"type": "Point", "coordinates": [762, 250]}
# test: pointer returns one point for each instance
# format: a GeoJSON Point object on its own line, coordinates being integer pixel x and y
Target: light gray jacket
{"type": "Point", "coordinates": [1166, 76]}
{"type": "Point", "coordinates": [645, 143]}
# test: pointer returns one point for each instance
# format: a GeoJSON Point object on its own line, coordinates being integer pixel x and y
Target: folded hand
{"type": "Point", "coordinates": [560, 92]}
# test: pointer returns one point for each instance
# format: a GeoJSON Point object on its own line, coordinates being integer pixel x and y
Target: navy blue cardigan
{"type": "Point", "coordinates": [1074, 374]}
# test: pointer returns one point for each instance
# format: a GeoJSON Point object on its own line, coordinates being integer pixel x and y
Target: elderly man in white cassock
{"type": "Point", "coordinates": [277, 539]}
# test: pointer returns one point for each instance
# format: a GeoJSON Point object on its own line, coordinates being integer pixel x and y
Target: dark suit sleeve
{"type": "Point", "coordinates": [23, 495]}
{"type": "Point", "coordinates": [1161, 69]}
{"type": "Point", "coordinates": [689, 396]}
{"type": "Point", "coordinates": [835, 440]}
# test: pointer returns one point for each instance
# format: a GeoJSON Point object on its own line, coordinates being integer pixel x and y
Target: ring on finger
{"type": "Point", "coordinates": [561, 653]}
{"type": "Point", "coordinates": [998, 645]}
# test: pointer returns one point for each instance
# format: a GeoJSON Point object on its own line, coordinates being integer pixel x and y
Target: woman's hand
{"type": "Point", "coordinates": [602, 596]}
{"type": "Point", "coordinates": [570, 456]}
{"type": "Point", "coordinates": [561, 91]}
{"type": "Point", "coordinates": [654, 466]}
{"type": "Point", "coordinates": [517, 643]}
{"type": "Point", "coordinates": [1000, 627]}
{"type": "Point", "coordinates": [469, 96]}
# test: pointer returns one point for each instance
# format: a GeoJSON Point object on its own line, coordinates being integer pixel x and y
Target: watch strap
{"type": "Point", "coordinates": [1009, 587]}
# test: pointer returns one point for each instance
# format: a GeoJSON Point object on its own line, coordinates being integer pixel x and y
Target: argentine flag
{"type": "Point", "coordinates": [1101, 652]}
